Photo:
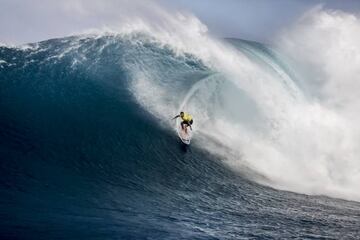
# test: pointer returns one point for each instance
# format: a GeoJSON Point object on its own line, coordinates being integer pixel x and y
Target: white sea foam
{"type": "Point", "coordinates": [306, 145]}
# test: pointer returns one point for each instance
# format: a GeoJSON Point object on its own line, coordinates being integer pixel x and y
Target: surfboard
{"type": "Point", "coordinates": [185, 136]}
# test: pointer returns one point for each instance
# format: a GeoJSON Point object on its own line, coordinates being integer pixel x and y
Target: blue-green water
{"type": "Point", "coordinates": [82, 159]}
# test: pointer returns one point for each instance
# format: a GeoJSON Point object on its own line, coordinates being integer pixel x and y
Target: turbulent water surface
{"type": "Point", "coordinates": [88, 151]}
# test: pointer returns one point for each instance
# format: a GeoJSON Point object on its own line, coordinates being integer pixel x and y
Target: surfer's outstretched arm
{"type": "Point", "coordinates": [176, 117]}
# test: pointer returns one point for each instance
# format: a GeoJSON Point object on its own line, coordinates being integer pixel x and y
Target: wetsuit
{"type": "Point", "coordinates": [186, 119]}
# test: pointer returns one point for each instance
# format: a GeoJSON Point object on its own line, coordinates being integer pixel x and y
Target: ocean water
{"type": "Point", "coordinates": [88, 151]}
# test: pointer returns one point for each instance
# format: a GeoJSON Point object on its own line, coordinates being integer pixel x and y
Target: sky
{"type": "Point", "coordinates": [256, 19]}
{"type": "Point", "coordinates": [23, 21]}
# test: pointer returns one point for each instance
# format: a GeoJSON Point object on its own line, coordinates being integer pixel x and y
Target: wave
{"type": "Point", "coordinates": [255, 108]}
{"type": "Point", "coordinates": [88, 149]}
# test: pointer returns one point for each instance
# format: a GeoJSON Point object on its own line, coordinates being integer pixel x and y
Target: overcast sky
{"type": "Point", "coordinates": [24, 21]}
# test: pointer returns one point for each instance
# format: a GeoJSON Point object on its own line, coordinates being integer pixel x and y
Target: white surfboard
{"type": "Point", "coordinates": [185, 136]}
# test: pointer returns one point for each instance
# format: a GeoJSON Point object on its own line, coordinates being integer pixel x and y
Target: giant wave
{"type": "Point", "coordinates": [85, 124]}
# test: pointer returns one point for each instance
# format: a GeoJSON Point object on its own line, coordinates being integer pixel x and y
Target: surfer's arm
{"type": "Point", "coordinates": [176, 117]}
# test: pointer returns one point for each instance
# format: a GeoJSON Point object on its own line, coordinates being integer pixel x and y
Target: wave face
{"type": "Point", "coordinates": [87, 150]}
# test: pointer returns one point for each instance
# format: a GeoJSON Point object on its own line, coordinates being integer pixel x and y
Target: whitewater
{"type": "Point", "coordinates": [290, 119]}
{"type": "Point", "coordinates": [89, 151]}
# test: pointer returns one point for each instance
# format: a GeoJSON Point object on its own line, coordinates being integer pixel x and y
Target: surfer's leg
{"type": "Point", "coordinates": [191, 123]}
{"type": "Point", "coordinates": [186, 126]}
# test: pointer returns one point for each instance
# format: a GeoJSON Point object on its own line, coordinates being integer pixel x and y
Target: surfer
{"type": "Point", "coordinates": [187, 120]}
